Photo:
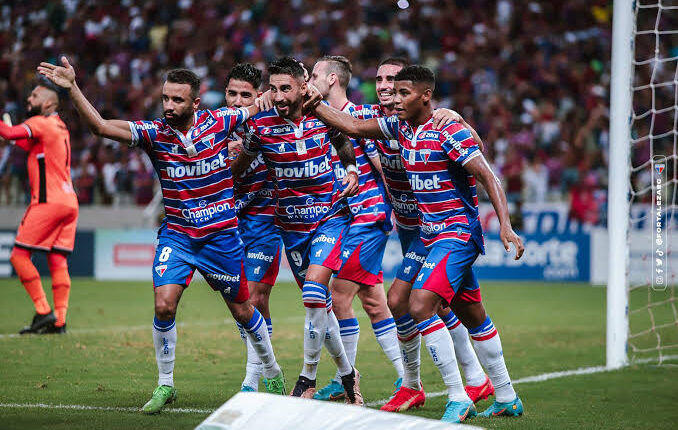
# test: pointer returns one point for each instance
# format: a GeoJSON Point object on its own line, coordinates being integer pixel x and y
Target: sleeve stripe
{"type": "Point", "coordinates": [135, 136]}
{"type": "Point", "coordinates": [473, 155]}
{"type": "Point", "coordinates": [28, 129]}
{"type": "Point", "coordinates": [384, 128]}
{"type": "Point", "coordinates": [245, 114]}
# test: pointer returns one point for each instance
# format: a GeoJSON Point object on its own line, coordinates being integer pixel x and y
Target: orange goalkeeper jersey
{"type": "Point", "coordinates": [49, 160]}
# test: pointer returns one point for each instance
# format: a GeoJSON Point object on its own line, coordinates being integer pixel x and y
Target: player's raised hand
{"type": "Point", "coordinates": [508, 237]}
{"type": "Point", "coordinates": [443, 116]}
{"type": "Point", "coordinates": [264, 102]}
{"type": "Point", "coordinates": [312, 98]}
{"type": "Point", "coordinates": [351, 183]}
{"type": "Point", "coordinates": [63, 76]}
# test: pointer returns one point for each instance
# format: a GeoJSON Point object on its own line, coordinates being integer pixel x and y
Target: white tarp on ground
{"type": "Point", "coordinates": [261, 411]}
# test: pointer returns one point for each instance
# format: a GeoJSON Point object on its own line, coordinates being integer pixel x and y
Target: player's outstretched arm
{"type": "Point", "coordinates": [348, 124]}
{"type": "Point", "coordinates": [347, 156]}
{"type": "Point", "coordinates": [64, 76]}
{"type": "Point", "coordinates": [483, 173]}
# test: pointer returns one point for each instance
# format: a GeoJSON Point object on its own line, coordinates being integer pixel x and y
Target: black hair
{"type": "Point", "coordinates": [286, 66]}
{"type": "Point", "coordinates": [245, 72]}
{"type": "Point", "coordinates": [339, 65]}
{"type": "Point", "coordinates": [418, 75]}
{"type": "Point", "coordinates": [395, 61]}
{"type": "Point", "coordinates": [185, 76]}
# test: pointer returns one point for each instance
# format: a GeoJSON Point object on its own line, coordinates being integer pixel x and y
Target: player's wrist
{"type": "Point", "coordinates": [351, 168]}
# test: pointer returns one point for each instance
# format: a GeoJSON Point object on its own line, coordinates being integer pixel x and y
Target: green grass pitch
{"type": "Point", "coordinates": [107, 361]}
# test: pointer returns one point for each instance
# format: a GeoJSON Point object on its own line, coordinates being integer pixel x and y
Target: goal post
{"type": "Point", "coordinates": [618, 214]}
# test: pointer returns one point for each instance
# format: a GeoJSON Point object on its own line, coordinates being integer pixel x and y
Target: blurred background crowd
{"type": "Point", "coordinates": [531, 76]}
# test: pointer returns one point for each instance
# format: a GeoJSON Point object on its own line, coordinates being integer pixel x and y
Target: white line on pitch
{"type": "Point", "coordinates": [546, 377]}
{"type": "Point", "coordinates": [98, 408]}
{"type": "Point", "coordinates": [536, 378]}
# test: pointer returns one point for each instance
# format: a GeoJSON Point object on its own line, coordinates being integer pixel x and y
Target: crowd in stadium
{"type": "Point", "coordinates": [535, 88]}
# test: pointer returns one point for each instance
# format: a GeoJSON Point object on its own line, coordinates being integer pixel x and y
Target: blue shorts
{"type": "Point", "coordinates": [362, 252]}
{"type": "Point", "coordinates": [448, 271]}
{"type": "Point", "coordinates": [263, 245]}
{"type": "Point", "coordinates": [218, 258]}
{"type": "Point", "coordinates": [320, 247]}
{"type": "Point", "coordinates": [414, 254]}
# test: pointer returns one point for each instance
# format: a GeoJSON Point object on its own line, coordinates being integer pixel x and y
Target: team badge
{"type": "Point", "coordinates": [160, 269]}
{"type": "Point", "coordinates": [659, 168]}
{"type": "Point", "coordinates": [426, 153]}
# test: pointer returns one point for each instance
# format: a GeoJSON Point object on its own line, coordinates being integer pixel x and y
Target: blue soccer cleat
{"type": "Point", "coordinates": [456, 412]}
{"type": "Point", "coordinates": [513, 408]}
{"type": "Point", "coordinates": [247, 389]}
{"type": "Point", "coordinates": [332, 391]}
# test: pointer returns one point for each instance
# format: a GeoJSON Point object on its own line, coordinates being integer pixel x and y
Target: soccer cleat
{"type": "Point", "coordinates": [247, 389]}
{"type": "Point", "coordinates": [162, 395]}
{"type": "Point", "coordinates": [304, 388]}
{"type": "Point", "coordinates": [480, 392]}
{"type": "Point", "coordinates": [351, 383]}
{"type": "Point", "coordinates": [332, 391]}
{"type": "Point", "coordinates": [52, 329]}
{"type": "Point", "coordinates": [456, 412]}
{"type": "Point", "coordinates": [276, 385]}
{"type": "Point", "coordinates": [404, 399]}
{"type": "Point", "coordinates": [39, 321]}
{"type": "Point", "coordinates": [513, 408]}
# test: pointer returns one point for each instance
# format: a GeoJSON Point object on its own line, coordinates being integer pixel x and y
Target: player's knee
{"type": "Point", "coordinates": [56, 261]}
{"type": "Point", "coordinates": [373, 308]}
{"type": "Point", "coordinates": [419, 310]}
{"type": "Point", "coordinates": [19, 254]}
{"type": "Point", "coordinates": [397, 303]}
{"type": "Point", "coordinates": [242, 312]}
{"type": "Point", "coordinates": [165, 309]}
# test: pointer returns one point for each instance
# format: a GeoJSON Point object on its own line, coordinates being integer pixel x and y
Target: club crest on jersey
{"type": "Point", "coordinates": [425, 154]}
{"type": "Point", "coordinates": [208, 140]}
{"type": "Point", "coordinates": [319, 139]}
{"type": "Point", "coordinates": [160, 269]}
{"type": "Point", "coordinates": [207, 124]}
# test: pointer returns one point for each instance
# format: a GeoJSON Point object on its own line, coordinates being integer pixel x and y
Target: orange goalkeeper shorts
{"type": "Point", "coordinates": [48, 227]}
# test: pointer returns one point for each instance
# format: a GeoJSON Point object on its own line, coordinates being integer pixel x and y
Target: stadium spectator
{"type": "Point", "coordinates": [527, 80]}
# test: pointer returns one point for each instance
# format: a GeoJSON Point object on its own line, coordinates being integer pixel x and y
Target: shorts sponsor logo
{"type": "Point", "coordinates": [324, 239]}
{"type": "Point", "coordinates": [407, 270]}
{"type": "Point", "coordinates": [416, 257]}
{"type": "Point", "coordinates": [257, 270]}
{"type": "Point", "coordinates": [428, 265]}
{"type": "Point", "coordinates": [223, 277]}
{"type": "Point", "coordinates": [198, 168]}
{"type": "Point", "coordinates": [160, 269]}
{"type": "Point", "coordinates": [319, 253]}
{"type": "Point", "coordinates": [260, 256]}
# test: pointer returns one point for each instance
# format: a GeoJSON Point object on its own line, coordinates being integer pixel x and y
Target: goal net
{"type": "Point", "coordinates": [652, 230]}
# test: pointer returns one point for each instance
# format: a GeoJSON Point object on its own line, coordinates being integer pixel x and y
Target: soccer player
{"type": "Point", "coordinates": [50, 220]}
{"type": "Point", "coordinates": [254, 200]}
{"type": "Point", "coordinates": [311, 210]}
{"type": "Point", "coordinates": [411, 394]}
{"type": "Point", "coordinates": [442, 168]}
{"type": "Point", "coordinates": [365, 242]}
{"type": "Point", "coordinates": [200, 231]}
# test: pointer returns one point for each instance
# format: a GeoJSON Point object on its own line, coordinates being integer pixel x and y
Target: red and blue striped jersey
{"type": "Point", "coordinates": [254, 190]}
{"type": "Point", "coordinates": [445, 191]}
{"type": "Point", "coordinates": [402, 198]}
{"type": "Point", "coordinates": [299, 159]}
{"type": "Point", "coordinates": [194, 170]}
{"type": "Point", "coordinates": [370, 205]}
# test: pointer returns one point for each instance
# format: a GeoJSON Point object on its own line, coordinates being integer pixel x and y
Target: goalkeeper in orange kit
{"type": "Point", "coordinates": [50, 220]}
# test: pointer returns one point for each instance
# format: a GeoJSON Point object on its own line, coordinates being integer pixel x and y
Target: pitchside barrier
{"type": "Point", "coordinates": [556, 249]}
{"type": "Point", "coordinates": [255, 411]}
